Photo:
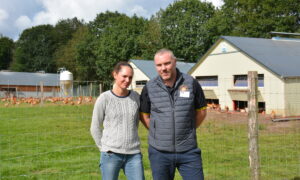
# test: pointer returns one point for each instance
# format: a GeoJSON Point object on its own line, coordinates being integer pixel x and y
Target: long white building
{"type": "Point", "coordinates": [27, 84]}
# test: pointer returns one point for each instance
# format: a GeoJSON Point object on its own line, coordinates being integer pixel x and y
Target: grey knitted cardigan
{"type": "Point", "coordinates": [115, 121]}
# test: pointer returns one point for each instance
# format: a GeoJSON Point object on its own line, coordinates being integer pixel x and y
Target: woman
{"type": "Point", "coordinates": [115, 128]}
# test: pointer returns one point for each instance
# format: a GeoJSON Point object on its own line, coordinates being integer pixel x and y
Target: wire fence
{"type": "Point", "coordinates": [52, 141]}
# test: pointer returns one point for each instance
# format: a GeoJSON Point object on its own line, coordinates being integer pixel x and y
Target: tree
{"type": "Point", "coordinates": [35, 49]}
{"type": "Point", "coordinates": [6, 52]}
{"type": "Point", "coordinates": [65, 28]}
{"type": "Point", "coordinates": [150, 40]}
{"type": "Point", "coordinates": [85, 57]}
{"type": "Point", "coordinates": [115, 39]}
{"type": "Point", "coordinates": [77, 54]}
{"type": "Point", "coordinates": [182, 27]}
{"type": "Point", "coordinates": [255, 18]}
{"type": "Point", "coordinates": [68, 56]}
{"type": "Point", "coordinates": [221, 24]}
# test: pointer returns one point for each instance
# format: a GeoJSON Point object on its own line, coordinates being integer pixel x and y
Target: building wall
{"type": "Point", "coordinates": [31, 88]}
{"type": "Point", "coordinates": [20, 94]}
{"type": "Point", "coordinates": [226, 61]}
{"type": "Point", "coordinates": [137, 76]}
{"type": "Point", "coordinates": [29, 91]}
{"type": "Point", "coordinates": [292, 96]}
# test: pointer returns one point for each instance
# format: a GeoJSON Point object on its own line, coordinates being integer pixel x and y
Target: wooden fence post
{"type": "Point", "coordinates": [42, 92]}
{"type": "Point", "coordinates": [91, 88]}
{"type": "Point", "coordinates": [253, 125]}
{"type": "Point", "coordinates": [100, 88]}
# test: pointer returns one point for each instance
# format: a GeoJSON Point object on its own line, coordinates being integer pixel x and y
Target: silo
{"type": "Point", "coordinates": [66, 83]}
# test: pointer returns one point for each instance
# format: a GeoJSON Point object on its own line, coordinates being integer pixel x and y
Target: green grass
{"type": "Point", "coordinates": [53, 142]}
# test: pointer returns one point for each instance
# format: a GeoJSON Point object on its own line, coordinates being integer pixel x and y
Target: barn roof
{"type": "Point", "coordinates": [280, 55]}
{"type": "Point", "coordinates": [148, 67]}
{"type": "Point", "coordinates": [28, 79]}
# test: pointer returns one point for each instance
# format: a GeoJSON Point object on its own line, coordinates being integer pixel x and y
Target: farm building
{"type": "Point", "coordinates": [223, 70]}
{"type": "Point", "coordinates": [144, 70]}
{"type": "Point", "coordinates": [25, 84]}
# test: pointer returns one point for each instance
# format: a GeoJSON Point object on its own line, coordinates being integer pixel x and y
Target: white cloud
{"type": "Point", "coordinates": [139, 10]}
{"type": "Point", "coordinates": [26, 13]}
{"type": "Point", "coordinates": [3, 15]}
{"type": "Point", "coordinates": [216, 3]}
{"type": "Point", "coordinates": [23, 22]}
{"type": "Point", "coordinates": [87, 9]}
{"type": "Point", "coordinates": [55, 10]}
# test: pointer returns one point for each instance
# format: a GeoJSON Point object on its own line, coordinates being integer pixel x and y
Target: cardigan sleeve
{"type": "Point", "coordinates": [97, 119]}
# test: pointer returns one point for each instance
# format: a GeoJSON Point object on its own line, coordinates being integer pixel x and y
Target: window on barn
{"type": "Point", "coordinates": [242, 80]}
{"type": "Point", "coordinates": [140, 84]}
{"type": "Point", "coordinates": [240, 105]}
{"type": "Point", "coordinates": [261, 107]}
{"type": "Point", "coordinates": [243, 106]}
{"type": "Point", "coordinates": [207, 80]}
{"type": "Point", "coordinates": [213, 103]}
{"type": "Point", "coordinates": [261, 82]}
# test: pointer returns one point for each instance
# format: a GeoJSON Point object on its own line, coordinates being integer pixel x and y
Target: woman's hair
{"type": "Point", "coordinates": [119, 65]}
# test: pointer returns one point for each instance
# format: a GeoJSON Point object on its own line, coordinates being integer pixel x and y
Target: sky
{"type": "Point", "coordinates": [17, 15]}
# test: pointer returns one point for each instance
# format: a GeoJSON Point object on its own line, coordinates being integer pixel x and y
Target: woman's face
{"type": "Point", "coordinates": [123, 78]}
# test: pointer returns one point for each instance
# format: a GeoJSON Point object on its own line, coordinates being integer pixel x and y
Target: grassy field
{"type": "Point", "coordinates": [53, 142]}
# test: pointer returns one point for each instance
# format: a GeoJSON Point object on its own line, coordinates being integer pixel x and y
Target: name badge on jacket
{"type": "Point", "coordinates": [184, 91]}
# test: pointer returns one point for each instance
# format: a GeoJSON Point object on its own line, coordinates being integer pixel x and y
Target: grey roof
{"type": "Point", "coordinates": [28, 79]}
{"type": "Point", "coordinates": [281, 56]}
{"type": "Point", "coordinates": [148, 67]}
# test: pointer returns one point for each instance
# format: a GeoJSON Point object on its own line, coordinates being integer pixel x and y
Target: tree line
{"type": "Point", "coordinates": [188, 27]}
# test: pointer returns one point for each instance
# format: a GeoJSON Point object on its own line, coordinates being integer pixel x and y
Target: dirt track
{"type": "Point", "coordinates": [265, 121]}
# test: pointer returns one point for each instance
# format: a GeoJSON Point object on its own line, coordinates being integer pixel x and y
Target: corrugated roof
{"type": "Point", "coordinates": [281, 56]}
{"type": "Point", "coordinates": [28, 79]}
{"type": "Point", "coordinates": [148, 67]}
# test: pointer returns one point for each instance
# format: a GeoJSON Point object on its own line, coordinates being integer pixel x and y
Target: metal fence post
{"type": "Point", "coordinates": [253, 125]}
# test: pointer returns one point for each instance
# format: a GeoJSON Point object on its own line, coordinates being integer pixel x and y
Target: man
{"type": "Point", "coordinates": [172, 107]}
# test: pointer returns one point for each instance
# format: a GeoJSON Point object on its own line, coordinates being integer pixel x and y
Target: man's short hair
{"type": "Point", "coordinates": [164, 51]}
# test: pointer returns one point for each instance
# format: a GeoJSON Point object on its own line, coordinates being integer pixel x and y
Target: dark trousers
{"type": "Point", "coordinates": [164, 164]}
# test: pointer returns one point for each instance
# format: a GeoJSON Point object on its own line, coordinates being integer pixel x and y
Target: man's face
{"type": "Point", "coordinates": [165, 66]}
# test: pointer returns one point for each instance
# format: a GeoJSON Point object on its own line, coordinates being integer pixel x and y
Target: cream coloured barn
{"type": "Point", "coordinates": [222, 73]}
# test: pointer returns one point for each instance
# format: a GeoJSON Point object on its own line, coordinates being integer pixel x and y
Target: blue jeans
{"type": "Point", "coordinates": [111, 164]}
{"type": "Point", "coordinates": [164, 164]}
